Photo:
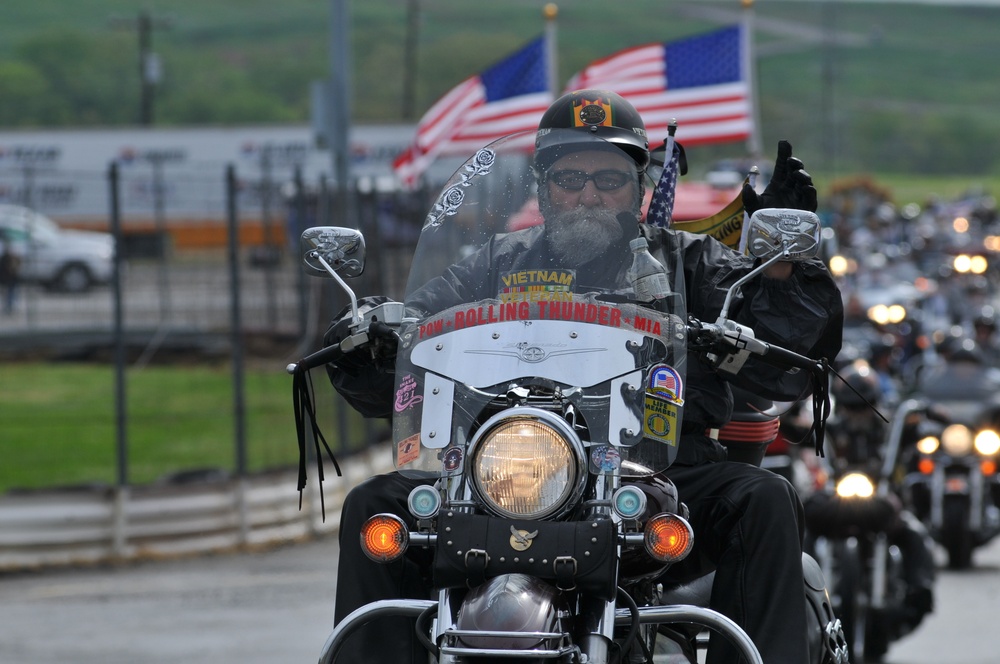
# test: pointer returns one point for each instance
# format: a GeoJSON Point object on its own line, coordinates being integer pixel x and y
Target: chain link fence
{"type": "Point", "coordinates": [209, 271]}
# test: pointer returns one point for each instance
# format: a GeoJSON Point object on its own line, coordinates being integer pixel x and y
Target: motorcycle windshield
{"type": "Point", "coordinates": [508, 308]}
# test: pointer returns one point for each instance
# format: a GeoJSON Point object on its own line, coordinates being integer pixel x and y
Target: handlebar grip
{"type": "Point", "coordinates": [782, 357]}
{"type": "Point", "coordinates": [770, 353]}
{"type": "Point", "coordinates": [317, 359]}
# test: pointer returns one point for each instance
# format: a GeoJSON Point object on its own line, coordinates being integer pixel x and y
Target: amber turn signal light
{"type": "Point", "coordinates": [668, 537]}
{"type": "Point", "coordinates": [384, 538]}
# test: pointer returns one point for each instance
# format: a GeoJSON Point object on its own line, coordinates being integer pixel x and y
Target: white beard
{"type": "Point", "coordinates": [580, 235]}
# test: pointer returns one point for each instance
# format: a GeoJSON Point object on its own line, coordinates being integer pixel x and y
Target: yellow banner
{"type": "Point", "coordinates": [726, 225]}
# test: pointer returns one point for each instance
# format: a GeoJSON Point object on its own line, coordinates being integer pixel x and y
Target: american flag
{"type": "Point", "coordinates": [700, 81]}
{"type": "Point", "coordinates": [661, 204]}
{"type": "Point", "coordinates": [509, 97]}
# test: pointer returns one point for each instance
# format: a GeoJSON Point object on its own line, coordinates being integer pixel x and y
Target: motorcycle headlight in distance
{"type": "Point", "coordinates": [424, 501]}
{"type": "Point", "coordinates": [855, 485]}
{"type": "Point", "coordinates": [629, 502]}
{"type": "Point", "coordinates": [668, 537]}
{"type": "Point", "coordinates": [957, 440]}
{"type": "Point", "coordinates": [928, 445]}
{"type": "Point", "coordinates": [987, 442]}
{"type": "Point", "coordinates": [384, 538]}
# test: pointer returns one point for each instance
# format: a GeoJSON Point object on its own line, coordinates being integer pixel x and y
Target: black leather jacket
{"type": "Point", "coordinates": [803, 313]}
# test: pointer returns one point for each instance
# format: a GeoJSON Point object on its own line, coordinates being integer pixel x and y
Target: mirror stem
{"type": "Point", "coordinates": [355, 318]}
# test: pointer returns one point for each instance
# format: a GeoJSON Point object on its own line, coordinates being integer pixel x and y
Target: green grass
{"type": "Point", "coordinates": [908, 188]}
{"type": "Point", "coordinates": [58, 422]}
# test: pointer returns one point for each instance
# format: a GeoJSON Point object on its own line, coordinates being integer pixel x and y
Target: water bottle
{"type": "Point", "coordinates": [647, 275]}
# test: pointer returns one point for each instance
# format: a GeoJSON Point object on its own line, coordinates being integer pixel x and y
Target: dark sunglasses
{"type": "Point", "coordinates": [603, 180]}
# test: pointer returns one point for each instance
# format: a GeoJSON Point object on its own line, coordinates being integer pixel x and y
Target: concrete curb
{"type": "Point", "coordinates": [102, 525]}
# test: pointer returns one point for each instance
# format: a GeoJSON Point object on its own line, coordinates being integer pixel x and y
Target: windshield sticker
{"type": "Point", "coordinates": [605, 459]}
{"type": "Point", "coordinates": [665, 382]}
{"type": "Point", "coordinates": [452, 460]}
{"type": "Point", "coordinates": [660, 420]}
{"type": "Point", "coordinates": [408, 450]}
{"type": "Point", "coordinates": [575, 311]}
{"type": "Point", "coordinates": [406, 395]}
{"type": "Point", "coordinates": [451, 199]}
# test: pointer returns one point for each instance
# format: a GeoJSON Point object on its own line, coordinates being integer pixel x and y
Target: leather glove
{"type": "Point", "coordinates": [364, 377]}
{"type": "Point", "coordinates": [790, 186]}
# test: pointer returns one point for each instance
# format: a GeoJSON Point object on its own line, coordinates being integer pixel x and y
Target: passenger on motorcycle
{"type": "Point", "coordinates": [747, 521]}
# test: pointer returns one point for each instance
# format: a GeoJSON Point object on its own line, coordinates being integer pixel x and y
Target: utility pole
{"type": "Point", "coordinates": [339, 113]}
{"type": "Point", "coordinates": [150, 67]}
{"type": "Point", "coordinates": [410, 59]}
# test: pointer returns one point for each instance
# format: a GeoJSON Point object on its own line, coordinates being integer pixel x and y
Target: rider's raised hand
{"type": "Point", "coordinates": [790, 186]}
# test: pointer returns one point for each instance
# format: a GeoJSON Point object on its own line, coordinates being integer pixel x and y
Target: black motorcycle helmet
{"type": "Point", "coordinates": [986, 319]}
{"type": "Point", "coordinates": [596, 117]}
{"type": "Point", "coordinates": [590, 120]}
{"type": "Point", "coordinates": [859, 387]}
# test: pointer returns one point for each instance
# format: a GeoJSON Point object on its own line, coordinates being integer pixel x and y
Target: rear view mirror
{"type": "Point", "coordinates": [791, 234]}
{"type": "Point", "coordinates": [326, 248]}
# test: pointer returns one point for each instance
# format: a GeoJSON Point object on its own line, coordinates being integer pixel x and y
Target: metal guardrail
{"type": "Point", "coordinates": [99, 525]}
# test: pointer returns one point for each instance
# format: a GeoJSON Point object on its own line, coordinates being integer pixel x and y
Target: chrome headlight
{"type": "Point", "coordinates": [987, 442]}
{"type": "Point", "coordinates": [957, 440]}
{"type": "Point", "coordinates": [527, 464]}
{"type": "Point", "coordinates": [855, 485]}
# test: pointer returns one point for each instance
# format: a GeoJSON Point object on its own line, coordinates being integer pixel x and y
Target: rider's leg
{"type": "Point", "coordinates": [360, 580]}
{"type": "Point", "coordinates": [747, 522]}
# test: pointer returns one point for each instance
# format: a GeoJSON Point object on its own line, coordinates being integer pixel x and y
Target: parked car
{"type": "Point", "coordinates": [60, 259]}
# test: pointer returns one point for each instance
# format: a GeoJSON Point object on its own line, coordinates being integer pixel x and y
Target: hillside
{"type": "Point", "coordinates": [857, 86]}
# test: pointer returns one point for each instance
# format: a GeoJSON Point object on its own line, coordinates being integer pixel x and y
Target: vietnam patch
{"type": "Point", "coordinates": [660, 420]}
{"type": "Point", "coordinates": [537, 285]}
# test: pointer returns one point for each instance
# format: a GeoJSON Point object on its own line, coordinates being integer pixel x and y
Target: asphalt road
{"type": "Point", "coordinates": [276, 606]}
{"type": "Point", "coordinates": [247, 608]}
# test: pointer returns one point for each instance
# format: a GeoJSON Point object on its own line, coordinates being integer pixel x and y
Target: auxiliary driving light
{"type": "Point", "coordinates": [987, 442]}
{"type": "Point", "coordinates": [424, 501]}
{"type": "Point", "coordinates": [928, 445]}
{"type": "Point", "coordinates": [384, 538]}
{"type": "Point", "coordinates": [629, 502]}
{"type": "Point", "coordinates": [668, 537]}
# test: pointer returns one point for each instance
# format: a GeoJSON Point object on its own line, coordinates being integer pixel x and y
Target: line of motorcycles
{"type": "Point", "coordinates": [895, 487]}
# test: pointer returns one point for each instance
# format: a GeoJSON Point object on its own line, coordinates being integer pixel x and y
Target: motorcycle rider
{"type": "Point", "coordinates": [858, 435]}
{"type": "Point", "coordinates": [984, 327]}
{"type": "Point", "coordinates": [748, 522]}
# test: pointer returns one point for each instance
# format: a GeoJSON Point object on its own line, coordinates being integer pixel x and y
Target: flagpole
{"type": "Point", "coordinates": [750, 72]}
{"type": "Point", "coordinates": [550, 12]}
